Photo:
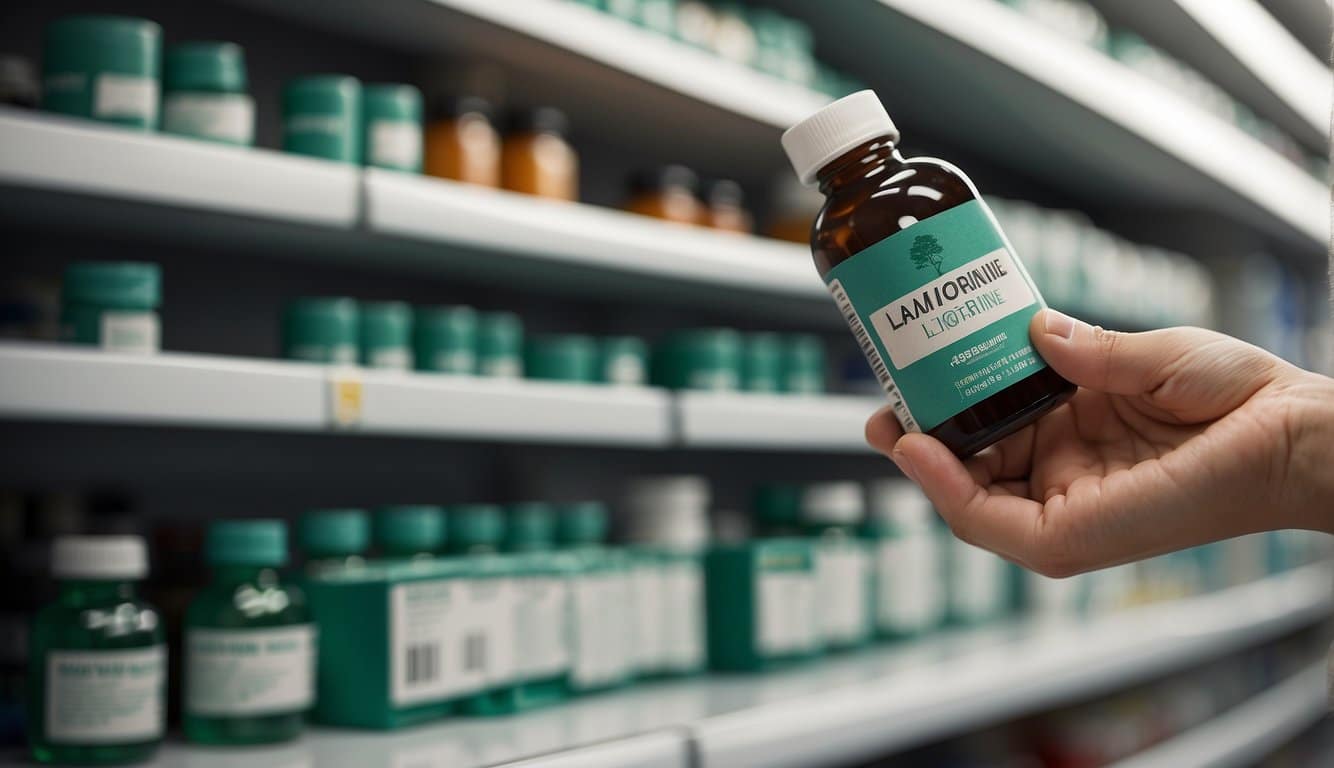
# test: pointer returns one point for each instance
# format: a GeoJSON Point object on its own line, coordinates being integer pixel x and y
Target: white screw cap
{"type": "Point", "coordinates": [899, 502]}
{"type": "Point", "coordinates": [99, 558]}
{"type": "Point", "coordinates": [854, 119]}
{"type": "Point", "coordinates": [839, 503]}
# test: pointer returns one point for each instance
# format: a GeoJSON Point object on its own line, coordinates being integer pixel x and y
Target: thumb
{"type": "Point", "coordinates": [1111, 361]}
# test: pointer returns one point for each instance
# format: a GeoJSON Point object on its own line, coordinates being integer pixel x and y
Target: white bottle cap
{"type": "Point", "coordinates": [97, 558]}
{"type": "Point", "coordinates": [899, 502]}
{"type": "Point", "coordinates": [669, 511]}
{"type": "Point", "coordinates": [852, 120]}
{"type": "Point", "coordinates": [838, 503]}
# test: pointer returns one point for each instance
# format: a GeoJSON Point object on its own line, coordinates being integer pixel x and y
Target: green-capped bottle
{"type": "Point", "coordinates": [386, 335]}
{"type": "Point", "coordinates": [249, 642]}
{"type": "Point", "coordinates": [602, 639]}
{"type": "Point", "coordinates": [103, 67]}
{"type": "Point", "coordinates": [476, 532]}
{"type": "Point", "coordinates": [112, 305]}
{"type": "Point", "coordinates": [570, 358]}
{"type": "Point", "coordinates": [445, 339]}
{"type": "Point", "coordinates": [204, 93]}
{"type": "Point", "coordinates": [334, 539]}
{"type": "Point", "coordinates": [803, 365]}
{"type": "Point", "coordinates": [500, 345]}
{"type": "Point", "coordinates": [623, 361]}
{"type": "Point", "coordinates": [392, 121]}
{"type": "Point", "coordinates": [321, 330]}
{"type": "Point", "coordinates": [705, 359]}
{"type": "Point", "coordinates": [409, 532]}
{"type": "Point", "coordinates": [98, 658]}
{"type": "Point", "coordinates": [762, 363]}
{"type": "Point", "coordinates": [322, 117]}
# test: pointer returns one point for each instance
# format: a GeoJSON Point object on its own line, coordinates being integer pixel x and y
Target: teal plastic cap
{"type": "Point", "coordinates": [247, 542]}
{"type": "Point", "coordinates": [391, 101]}
{"type": "Point", "coordinates": [778, 504]}
{"type": "Point", "coordinates": [322, 95]}
{"type": "Point", "coordinates": [334, 532]}
{"type": "Point", "coordinates": [583, 522]}
{"type": "Point", "coordinates": [98, 43]}
{"type": "Point", "coordinates": [320, 320]}
{"type": "Point", "coordinates": [499, 334]}
{"type": "Point", "coordinates": [562, 358]}
{"type": "Point", "coordinates": [213, 67]}
{"type": "Point", "coordinates": [530, 525]}
{"type": "Point", "coordinates": [803, 364]}
{"type": "Point", "coordinates": [446, 326]}
{"type": "Point", "coordinates": [410, 528]}
{"type": "Point", "coordinates": [386, 324]}
{"type": "Point", "coordinates": [113, 284]}
{"type": "Point", "coordinates": [476, 524]}
{"type": "Point", "coordinates": [762, 362]}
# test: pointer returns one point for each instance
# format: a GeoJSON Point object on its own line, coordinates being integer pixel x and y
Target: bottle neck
{"type": "Point", "coordinates": [86, 592]}
{"type": "Point", "coordinates": [232, 575]}
{"type": "Point", "coordinates": [865, 161]}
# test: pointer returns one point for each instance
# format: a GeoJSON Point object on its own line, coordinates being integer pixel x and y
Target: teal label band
{"type": "Point", "coordinates": [941, 311]}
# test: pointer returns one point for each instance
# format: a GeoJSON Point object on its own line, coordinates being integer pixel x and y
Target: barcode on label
{"type": "Point", "coordinates": [873, 356]}
{"type": "Point", "coordinates": [422, 664]}
{"type": "Point", "coordinates": [474, 652]}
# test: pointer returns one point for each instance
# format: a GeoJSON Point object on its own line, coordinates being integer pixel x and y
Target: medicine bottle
{"type": "Point", "coordinates": [98, 674]}
{"type": "Point", "coordinates": [724, 207]}
{"type": "Point", "coordinates": [666, 193]}
{"type": "Point", "coordinates": [537, 159]}
{"type": "Point", "coordinates": [103, 67]}
{"type": "Point", "coordinates": [334, 539]}
{"type": "Point", "coordinates": [249, 641]}
{"type": "Point", "coordinates": [321, 329]}
{"type": "Point", "coordinates": [386, 335]}
{"type": "Point", "coordinates": [928, 284]}
{"type": "Point", "coordinates": [204, 93]}
{"type": "Point", "coordinates": [409, 532]}
{"type": "Point", "coordinates": [909, 555]}
{"type": "Point", "coordinates": [601, 598]}
{"type": "Point", "coordinates": [322, 117]}
{"type": "Point", "coordinates": [391, 121]}
{"type": "Point", "coordinates": [500, 345]}
{"type": "Point", "coordinates": [487, 589]}
{"type": "Point", "coordinates": [462, 143]}
{"type": "Point", "coordinates": [832, 514]}
{"type": "Point", "coordinates": [112, 305]}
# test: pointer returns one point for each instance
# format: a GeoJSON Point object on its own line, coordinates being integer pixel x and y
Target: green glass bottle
{"type": "Point", "coordinates": [334, 539]}
{"type": "Point", "coordinates": [541, 594]}
{"type": "Point", "coordinates": [249, 642]}
{"type": "Point", "coordinates": [600, 627]}
{"type": "Point", "coordinates": [407, 533]}
{"type": "Point", "coordinates": [98, 675]}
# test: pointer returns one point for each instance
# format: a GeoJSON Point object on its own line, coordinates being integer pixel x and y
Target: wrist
{"type": "Point", "coordinates": [1309, 496]}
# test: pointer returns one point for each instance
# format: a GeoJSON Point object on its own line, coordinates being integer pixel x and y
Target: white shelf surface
{"type": "Point", "coordinates": [71, 383]}
{"type": "Point", "coordinates": [439, 405]}
{"type": "Point", "coordinates": [783, 422]}
{"type": "Point", "coordinates": [82, 157]}
{"type": "Point", "coordinates": [1072, 114]}
{"type": "Point", "coordinates": [839, 710]}
{"type": "Point", "coordinates": [1247, 733]}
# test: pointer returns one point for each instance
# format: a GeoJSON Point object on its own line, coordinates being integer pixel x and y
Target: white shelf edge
{"type": "Point", "coordinates": [922, 702]}
{"type": "Point", "coordinates": [652, 57]}
{"type": "Point", "coordinates": [1270, 52]}
{"type": "Point", "coordinates": [1246, 733]}
{"type": "Point", "coordinates": [764, 421]}
{"type": "Point", "coordinates": [1136, 103]}
{"type": "Point", "coordinates": [84, 157]}
{"type": "Point", "coordinates": [582, 235]}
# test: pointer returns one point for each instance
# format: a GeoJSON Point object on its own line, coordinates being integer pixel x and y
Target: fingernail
{"type": "Point", "coordinates": [1058, 324]}
{"type": "Point", "coordinates": [905, 464]}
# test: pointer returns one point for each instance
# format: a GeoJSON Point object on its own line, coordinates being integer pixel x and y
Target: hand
{"type": "Point", "coordinates": [1175, 438]}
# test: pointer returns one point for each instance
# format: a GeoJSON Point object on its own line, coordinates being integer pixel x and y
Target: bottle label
{"type": "Point", "coordinates": [395, 144]}
{"type": "Point", "coordinates": [131, 332]}
{"type": "Point", "coordinates": [106, 697]}
{"type": "Point", "coordinates": [683, 635]}
{"type": "Point", "coordinates": [941, 311]}
{"type": "Point", "coordinates": [910, 574]}
{"type": "Point", "coordinates": [226, 117]}
{"type": "Point", "coordinates": [435, 652]}
{"type": "Point", "coordinates": [785, 605]}
{"type": "Point", "coordinates": [842, 585]}
{"type": "Point", "coordinates": [125, 97]}
{"type": "Point", "coordinates": [648, 584]}
{"type": "Point", "coordinates": [249, 671]}
{"type": "Point", "coordinates": [542, 642]}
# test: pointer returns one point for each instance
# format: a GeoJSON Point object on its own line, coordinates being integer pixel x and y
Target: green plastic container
{"type": "Point", "coordinates": [444, 339]}
{"type": "Point", "coordinates": [392, 121]}
{"type": "Point", "coordinates": [322, 117]}
{"type": "Point", "coordinates": [112, 305]}
{"type": "Point", "coordinates": [623, 361]}
{"type": "Point", "coordinates": [409, 531]}
{"type": "Point", "coordinates": [386, 335]}
{"type": "Point", "coordinates": [571, 358]}
{"type": "Point", "coordinates": [500, 345]}
{"type": "Point", "coordinates": [602, 653]}
{"type": "Point", "coordinates": [97, 684]}
{"type": "Point", "coordinates": [204, 93]}
{"type": "Point", "coordinates": [762, 363]}
{"type": "Point", "coordinates": [704, 359]}
{"type": "Point", "coordinates": [321, 330]}
{"type": "Point", "coordinates": [333, 539]}
{"type": "Point", "coordinates": [760, 604]}
{"type": "Point", "coordinates": [833, 514]}
{"type": "Point", "coordinates": [249, 642]}
{"type": "Point", "coordinates": [803, 365]}
{"type": "Point", "coordinates": [103, 67]}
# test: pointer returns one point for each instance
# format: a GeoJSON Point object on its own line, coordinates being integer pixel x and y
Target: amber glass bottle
{"type": "Point", "coordinates": [724, 207]}
{"type": "Point", "coordinates": [536, 158]}
{"type": "Point", "coordinates": [666, 193]}
{"type": "Point", "coordinates": [933, 291]}
{"type": "Point", "coordinates": [461, 142]}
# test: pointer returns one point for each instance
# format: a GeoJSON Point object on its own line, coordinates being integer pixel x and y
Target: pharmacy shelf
{"type": "Point", "coordinates": [62, 383]}
{"type": "Point", "coordinates": [1068, 114]}
{"type": "Point", "coordinates": [581, 243]}
{"type": "Point", "coordinates": [710, 112]}
{"type": "Point", "coordinates": [1309, 20]}
{"type": "Point", "coordinates": [65, 383]}
{"type": "Point", "coordinates": [840, 710]}
{"type": "Point", "coordinates": [774, 422]}
{"type": "Point", "coordinates": [443, 406]}
{"type": "Point", "coordinates": [1247, 733]}
{"type": "Point", "coordinates": [1241, 47]}
{"type": "Point", "coordinates": [87, 160]}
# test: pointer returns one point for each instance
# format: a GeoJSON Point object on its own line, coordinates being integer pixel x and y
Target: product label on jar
{"type": "Point", "coordinates": [121, 97]}
{"type": "Point", "coordinates": [683, 635]}
{"type": "Point", "coordinates": [649, 601]}
{"type": "Point", "coordinates": [602, 633]}
{"type": "Point", "coordinates": [395, 144]}
{"type": "Point", "coordinates": [786, 616]}
{"type": "Point", "coordinates": [390, 358]}
{"type": "Point", "coordinates": [132, 332]}
{"type": "Point", "coordinates": [941, 312]}
{"type": "Point", "coordinates": [842, 579]}
{"type": "Point", "coordinates": [487, 628]}
{"type": "Point", "coordinates": [910, 574]}
{"type": "Point", "coordinates": [437, 651]}
{"type": "Point", "coordinates": [228, 117]}
{"type": "Point", "coordinates": [543, 637]}
{"type": "Point", "coordinates": [106, 697]}
{"type": "Point", "coordinates": [249, 671]}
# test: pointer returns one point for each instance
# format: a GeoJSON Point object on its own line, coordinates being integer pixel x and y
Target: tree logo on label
{"type": "Point", "coordinates": [927, 252]}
